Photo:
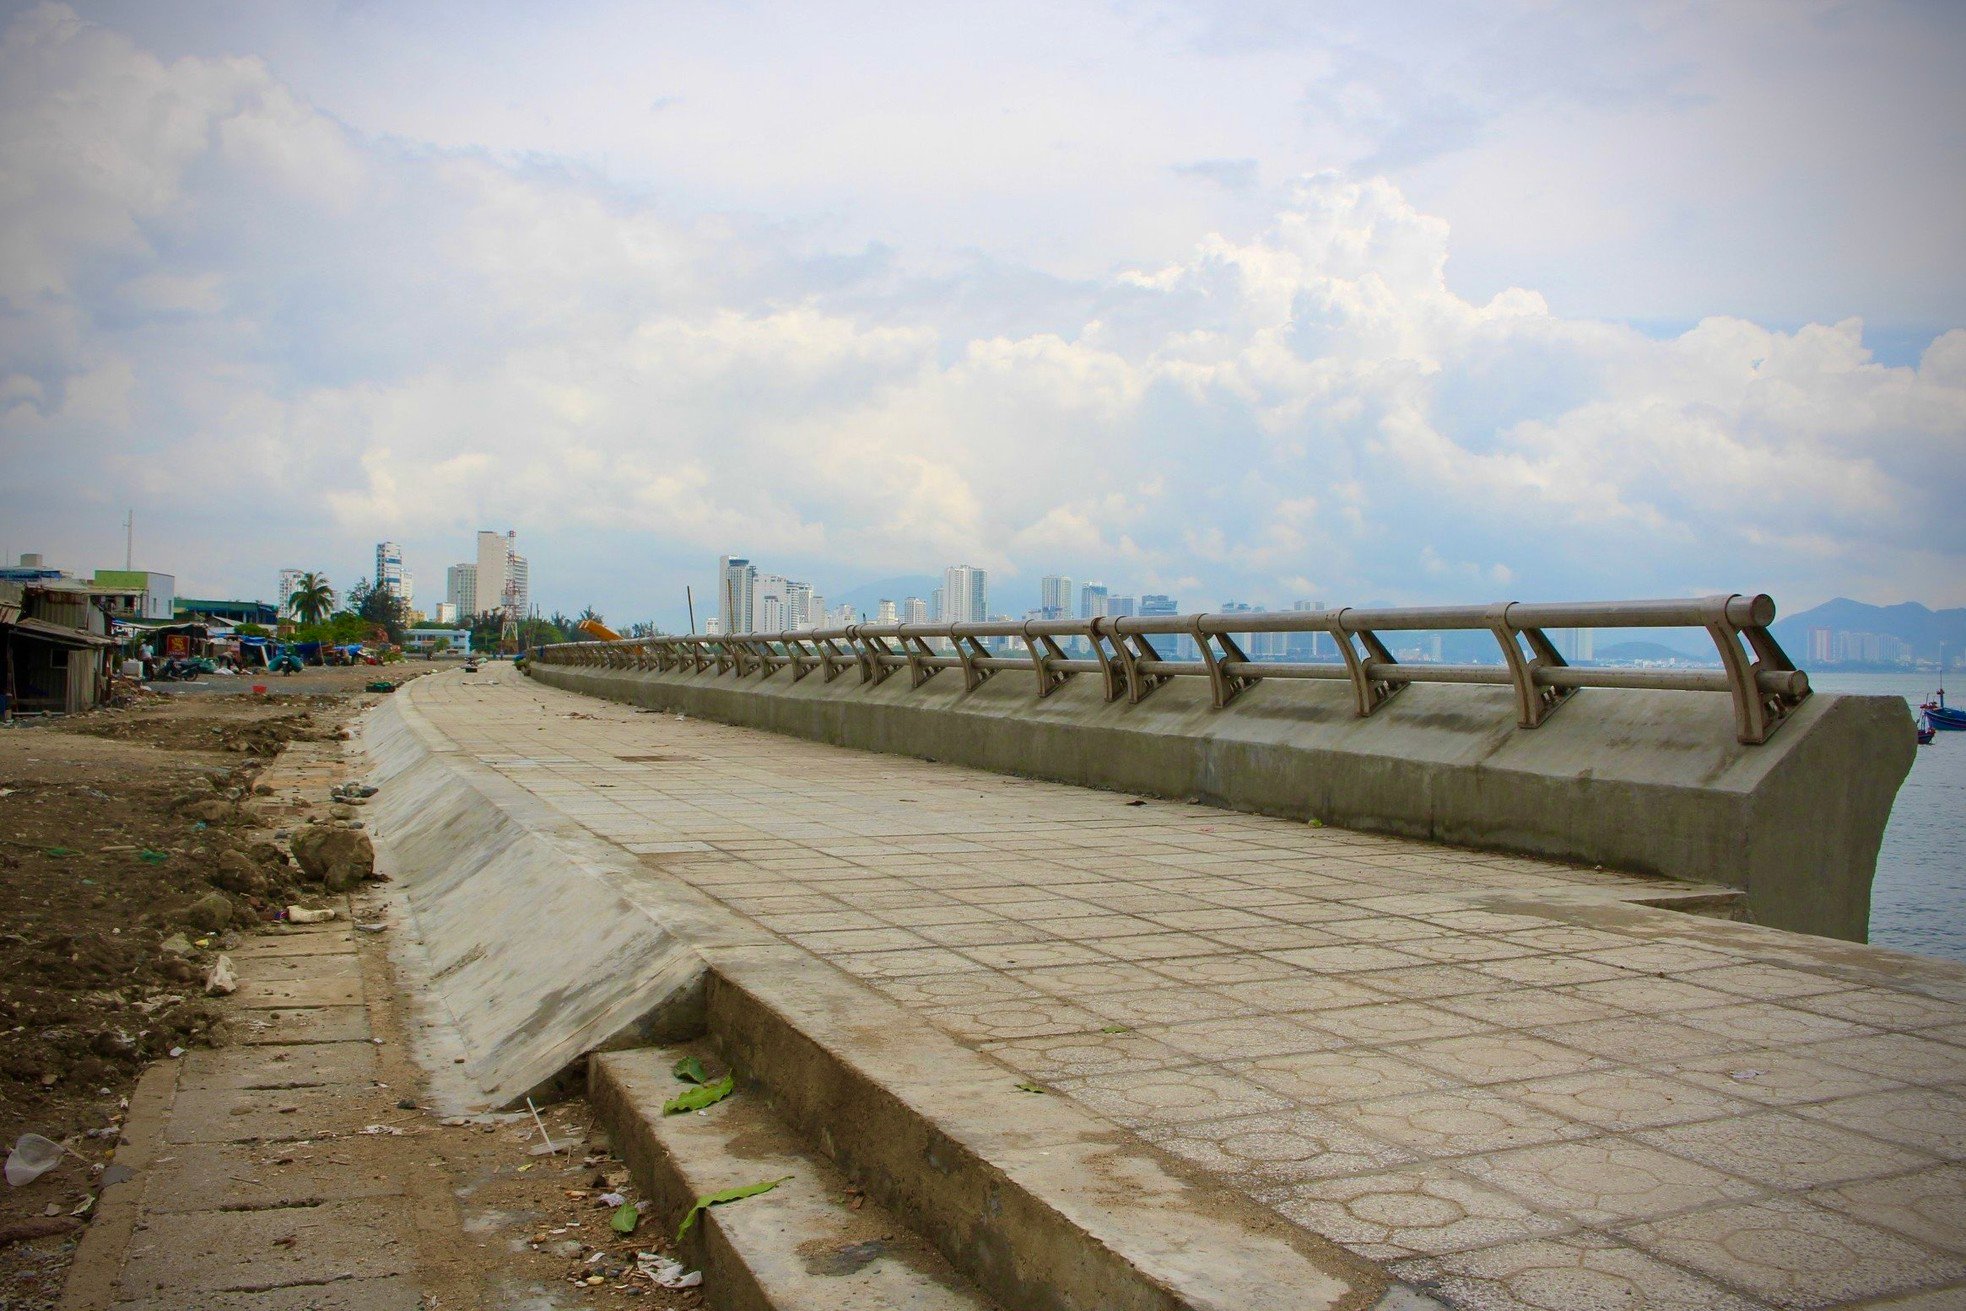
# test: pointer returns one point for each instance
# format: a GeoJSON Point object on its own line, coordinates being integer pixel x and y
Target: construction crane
{"type": "Point", "coordinates": [597, 630]}
{"type": "Point", "coordinates": [509, 603]}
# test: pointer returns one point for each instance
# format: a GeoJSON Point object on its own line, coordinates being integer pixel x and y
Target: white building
{"type": "Point", "coordinates": [289, 584]}
{"type": "Point", "coordinates": [965, 594]}
{"type": "Point", "coordinates": [914, 610]}
{"type": "Point", "coordinates": [735, 577]}
{"type": "Point", "coordinates": [490, 596]}
{"type": "Point", "coordinates": [1054, 597]}
{"type": "Point", "coordinates": [887, 613]}
{"type": "Point", "coordinates": [389, 573]}
{"type": "Point", "coordinates": [461, 589]}
{"type": "Point", "coordinates": [1092, 601]}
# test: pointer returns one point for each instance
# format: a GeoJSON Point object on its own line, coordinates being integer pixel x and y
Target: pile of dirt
{"type": "Point", "coordinates": [128, 863]}
{"type": "Point", "coordinates": [239, 727]}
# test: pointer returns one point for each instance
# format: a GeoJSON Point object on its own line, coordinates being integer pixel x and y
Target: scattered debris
{"type": "Point", "coordinates": [665, 1273]}
{"type": "Point", "coordinates": [1029, 1087]}
{"type": "Point", "coordinates": [302, 915]}
{"type": "Point", "coordinates": [625, 1218]}
{"type": "Point", "coordinates": [32, 1157]}
{"type": "Point", "coordinates": [699, 1097]}
{"type": "Point", "coordinates": [221, 980]}
{"type": "Point", "coordinates": [737, 1194]}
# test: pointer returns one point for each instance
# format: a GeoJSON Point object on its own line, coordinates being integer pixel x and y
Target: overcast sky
{"type": "Point", "coordinates": [1366, 303]}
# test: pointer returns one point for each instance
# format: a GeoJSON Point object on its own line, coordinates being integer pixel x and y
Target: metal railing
{"type": "Point", "coordinates": [1764, 685]}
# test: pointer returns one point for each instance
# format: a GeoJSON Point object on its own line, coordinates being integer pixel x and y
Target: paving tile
{"type": "Point", "coordinates": [1217, 970]}
{"type": "Point", "coordinates": [1396, 1021]}
{"type": "Point", "coordinates": [999, 1018]}
{"type": "Point", "coordinates": [1925, 1118]}
{"type": "Point", "coordinates": [1230, 1039]}
{"type": "Point", "coordinates": [1763, 1024]}
{"type": "Point", "coordinates": [1571, 1272]}
{"type": "Point", "coordinates": [1301, 993]}
{"type": "Point", "coordinates": [970, 987]}
{"type": "Point", "coordinates": [1527, 1008]}
{"type": "Point", "coordinates": [1349, 959]}
{"type": "Point", "coordinates": [1900, 1056]}
{"type": "Point", "coordinates": [1601, 1181]}
{"type": "Point", "coordinates": [1784, 1150]}
{"type": "Point", "coordinates": [1166, 1004]}
{"type": "Point", "coordinates": [1929, 1205]}
{"type": "Point", "coordinates": [298, 1065]}
{"type": "Point", "coordinates": [1158, 1096]}
{"type": "Point", "coordinates": [1779, 1077]}
{"type": "Point", "coordinates": [1455, 1121]}
{"type": "Point", "coordinates": [1636, 1040]}
{"type": "Point", "coordinates": [1068, 1055]}
{"type": "Point", "coordinates": [1075, 981]}
{"type": "Point", "coordinates": [1647, 995]}
{"type": "Point", "coordinates": [1430, 981]}
{"type": "Point", "coordinates": [1280, 1148]}
{"type": "Point", "coordinates": [1621, 1099]}
{"type": "Point", "coordinates": [901, 964]}
{"type": "Point", "coordinates": [220, 1251]}
{"type": "Point", "coordinates": [1795, 1254]}
{"type": "Point", "coordinates": [306, 1024]}
{"type": "Point", "coordinates": [1415, 1210]}
{"type": "Point", "coordinates": [1500, 1057]}
{"type": "Point", "coordinates": [1550, 971]}
{"type": "Point", "coordinates": [1031, 955]}
{"type": "Point", "coordinates": [1882, 1008]}
{"type": "Point", "coordinates": [1312, 1077]}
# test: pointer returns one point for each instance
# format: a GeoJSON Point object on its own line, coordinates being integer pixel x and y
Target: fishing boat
{"type": "Point", "coordinates": [1939, 715]}
{"type": "Point", "coordinates": [1925, 733]}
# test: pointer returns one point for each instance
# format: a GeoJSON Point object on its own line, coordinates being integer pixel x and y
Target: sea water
{"type": "Point", "coordinates": [1918, 902]}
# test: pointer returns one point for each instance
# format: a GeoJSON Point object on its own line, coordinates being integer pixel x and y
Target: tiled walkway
{"type": "Point", "coordinates": [1500, 1076]}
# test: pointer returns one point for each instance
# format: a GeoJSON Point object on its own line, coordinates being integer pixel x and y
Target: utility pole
{"type": "Point", "coordinates": [129, 539]}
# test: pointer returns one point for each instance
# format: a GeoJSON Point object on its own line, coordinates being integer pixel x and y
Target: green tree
{"type": "Point", "coordinates": [380, 607]}
{"type": "Point", "coordinates": [313, 600]}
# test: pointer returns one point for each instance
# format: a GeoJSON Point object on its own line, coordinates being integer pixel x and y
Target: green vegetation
{"type": "Point", "coordinates": [313, 600]}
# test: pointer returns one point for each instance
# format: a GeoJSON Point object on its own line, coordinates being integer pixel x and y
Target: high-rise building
{"type": "Point", "coordinates": [389, 574]}
{"type": "Point", "coordinates": [1118, 607]}
{"type": "Point", "coordinates": [798, 606]}
{"type": "Point", "coordinates": [1092, 601]}
{"type": "Point", "coordinates": [886, 613]}
{"type": "Point", "coordinates": [492, 549]}
{"type": "Point", "coordinates": [914, 610]}
{"type": "Point", "coordinates": [446, 612]}
{"type": "Point", "coordinates": [735, 575]}
{"type": "Point", "coordinates": [1054, 597]}
{"type": "Point", "coordinates": [768, 598]}
{"type": "Point", "coordinates": [461, 590]}
{"type": "Point", "coordinates": [965, 594]}
{"type": "Point", "coordinates": [1306, 646]}
{"type": "Point", "coordinates": [289, 584]}
{"type": "Point", "coordinates": [935, 605]}
{"type": "Point", "coordinates": [1154, 603]}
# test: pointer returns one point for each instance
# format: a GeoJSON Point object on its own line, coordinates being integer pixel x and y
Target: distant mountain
{"type": "Point", "coordinates": [1921, 628]}
{"type": "Point", "coordinates": [1619, 653]}
{"type": "Point", "coordinates": [866, 598]}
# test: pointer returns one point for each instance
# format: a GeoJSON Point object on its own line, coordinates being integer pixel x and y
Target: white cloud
{"type": "Point", "coordinates": [288, 340]}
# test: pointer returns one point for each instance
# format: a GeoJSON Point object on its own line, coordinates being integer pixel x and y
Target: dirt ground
{"type": "Point", "coordinates": [126, 864]}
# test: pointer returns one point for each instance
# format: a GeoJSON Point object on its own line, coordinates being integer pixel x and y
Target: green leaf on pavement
{"type": "Point", "coordinates": [625, 1218]}
{"type": "Point", "coordinates": [704, 1094]}
{"type": "Point", "coordinates": [709, 1200]}
{"type": "Point", "coordinates": [690, 1070]}
{"type": "Point", "coordinates": [61, 851]}
{"type": "Point", "coordinates": [1029, 1087]}
{"type": "Point", "coordinates": [149, 857]}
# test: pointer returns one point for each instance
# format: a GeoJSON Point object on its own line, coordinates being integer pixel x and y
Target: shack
{"type": "Point", "coordinates": [55, 649]}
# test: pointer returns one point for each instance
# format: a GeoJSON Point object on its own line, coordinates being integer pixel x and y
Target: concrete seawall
{"type": "Point", "coordinates": [1647, 782]}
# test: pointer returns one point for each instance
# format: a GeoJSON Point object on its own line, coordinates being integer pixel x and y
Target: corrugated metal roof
{"type": "Point", "coordinates": [58, 634]}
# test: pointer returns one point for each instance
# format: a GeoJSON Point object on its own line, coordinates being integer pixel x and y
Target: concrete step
{"type": "Point", "coordinates": [1033, 1200]}
{"type": "Point", "coordinates": [800, 1247]}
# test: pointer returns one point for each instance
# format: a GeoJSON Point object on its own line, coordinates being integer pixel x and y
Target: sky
{"type": "Point", "coordinates": [1364, 303]}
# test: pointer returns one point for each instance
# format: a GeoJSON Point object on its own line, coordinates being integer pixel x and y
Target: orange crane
{"type": "Point", "coordinates": [597, 630]}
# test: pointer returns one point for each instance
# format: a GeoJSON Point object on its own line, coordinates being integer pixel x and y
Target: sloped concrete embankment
{"type": "Point", "coordinates": [1645, 782]}
{"type": "Point", "coordinates": [535, 943]}
{"type": "Point", "coordinates": [546, 943]}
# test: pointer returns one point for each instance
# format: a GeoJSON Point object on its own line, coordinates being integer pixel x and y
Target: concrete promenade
{"type": "Point", "coordinates": [1512, 1081]}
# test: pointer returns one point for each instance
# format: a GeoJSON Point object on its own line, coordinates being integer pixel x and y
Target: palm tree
{"type": "Point", "coordinates": [312, 600]}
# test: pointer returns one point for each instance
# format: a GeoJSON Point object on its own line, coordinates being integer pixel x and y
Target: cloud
{"type": "Point", "coordinates": [288, 340]}
{"type": "Point", "coordinates": [1229, 174]}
